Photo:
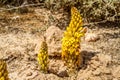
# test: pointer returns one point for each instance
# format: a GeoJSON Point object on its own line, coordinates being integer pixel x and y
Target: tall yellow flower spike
{"type": "Point", "coordinates": [71, 40]}
{"type": "Point", "coordinates": [43, 57]}
{"type": "Point", "coordinates": [3, 70]}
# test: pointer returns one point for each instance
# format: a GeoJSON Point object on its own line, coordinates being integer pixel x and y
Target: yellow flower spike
{"type": "Point", "coordinates": [43, 57]}
{"type": "Point", "coordinates": [3, 70]}
{"type": "Point", "coordinates": [2, 78]}
{"type": "Point", "coordinates": [71, 40]}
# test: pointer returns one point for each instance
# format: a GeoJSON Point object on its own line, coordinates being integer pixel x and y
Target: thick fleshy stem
{"type": "Point", "coordinates": [71, 40]}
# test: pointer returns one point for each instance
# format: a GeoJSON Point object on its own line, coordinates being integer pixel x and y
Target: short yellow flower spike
{"type": "Point", "coordinates": [3, 70]}
{"type": "Point", "coordinates": [71, 40]}
{"type": "Point", "coordinates": [43, 57]}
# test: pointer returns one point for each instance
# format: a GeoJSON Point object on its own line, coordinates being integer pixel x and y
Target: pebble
{"type": "Point", "coordinates": [29, 74]}
{"type": "Point", "coordinates": [63, 73]}
{"type": "Point", "coordinates": [97, 72]}
{"type": "Point", "coordinates": [53, 38]}
{"type": "Point", "coordinates": [91, 37]}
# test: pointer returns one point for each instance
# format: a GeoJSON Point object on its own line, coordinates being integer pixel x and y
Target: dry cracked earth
{"type": "Point", "coordinates": [21, 35]}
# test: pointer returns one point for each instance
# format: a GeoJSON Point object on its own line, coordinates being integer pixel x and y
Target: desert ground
{"type": "Point", "coordinates": [21, 35]}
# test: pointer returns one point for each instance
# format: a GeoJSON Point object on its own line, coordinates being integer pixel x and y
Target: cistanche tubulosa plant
{"type": "Point", "coordinates": [3, 70]}
{"type": "Point", "coordinates": [71, 40]}
{"type": "Point", "coordinates": [43, 57]}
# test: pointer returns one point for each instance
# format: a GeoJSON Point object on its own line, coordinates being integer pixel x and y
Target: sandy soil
{"type": "Point", "coordinates": [20, 34]}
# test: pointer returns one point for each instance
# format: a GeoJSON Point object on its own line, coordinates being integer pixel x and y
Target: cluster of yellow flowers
{"type": "Point", "coordinates": [70, 44]}
{"type": "Point", "coordinates": [3, 70]}
{"type": "Point", "coordinates": [71, 40]}
{"type": "Point", "coordinates": [43, 57]}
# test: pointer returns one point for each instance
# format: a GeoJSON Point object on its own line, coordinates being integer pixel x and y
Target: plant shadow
{"type": "Point", "coordinates": [87, 56]}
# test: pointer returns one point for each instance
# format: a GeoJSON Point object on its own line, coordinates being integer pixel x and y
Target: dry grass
{"type": "Point", "coordinates": [92, 10]}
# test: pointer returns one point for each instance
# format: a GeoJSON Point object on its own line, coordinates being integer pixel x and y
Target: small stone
{"type": "Point", "coordinates": [107, 71]}
{"type": "Point", "coordinates": [91, 37]}
{"type": "Point", "coordinates": [95, 58]}
{"type": "Point", "coordinates": [62, 73]}
{"type": "Point", "coordinates": [97, 72]}
{"type": "Point", "coordinates": [53, 38]}
{"type": "Point", "coordinates": [29, 74]}
{"type": "Point", "coordinates": [15, 17]}
{"type": "Point", "coordinates": [93, 66]}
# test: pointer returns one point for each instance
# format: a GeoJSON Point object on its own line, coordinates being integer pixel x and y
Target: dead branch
{"type": "Point", "coordinates": [27, 5]}
{"type": "Point", "coordinates": [93, 23]}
